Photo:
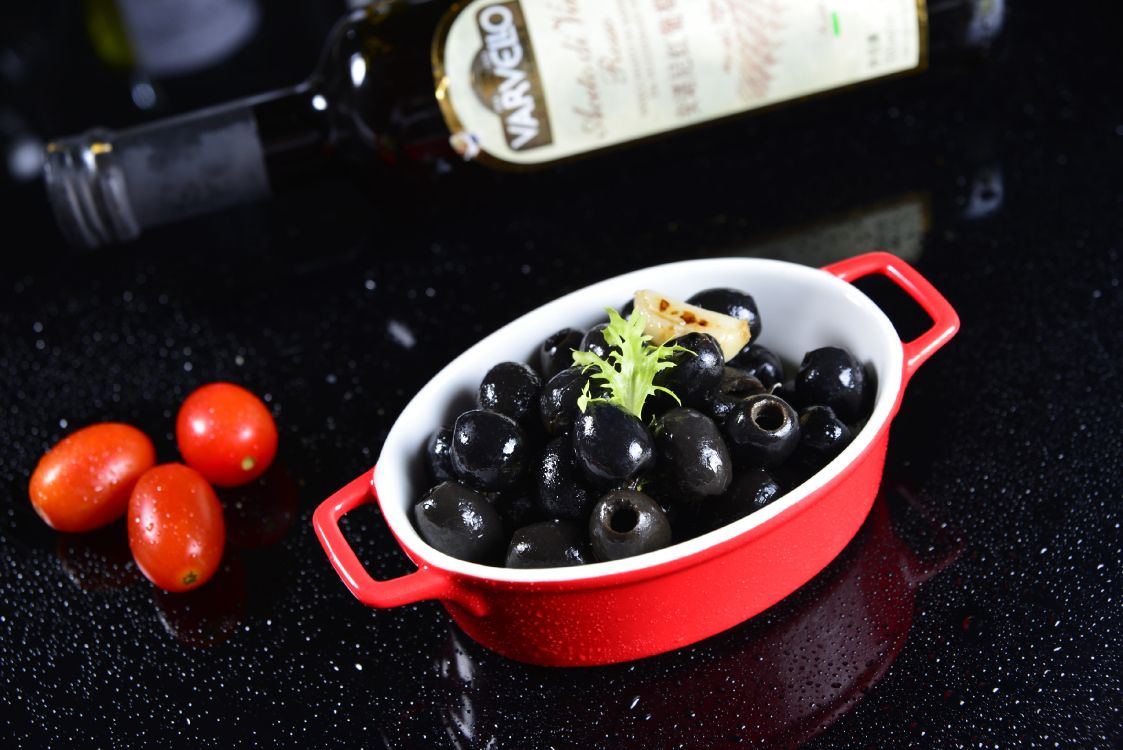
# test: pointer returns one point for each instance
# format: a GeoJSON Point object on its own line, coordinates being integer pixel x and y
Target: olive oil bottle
{"type": "Point", "coordinates": [421, 90]}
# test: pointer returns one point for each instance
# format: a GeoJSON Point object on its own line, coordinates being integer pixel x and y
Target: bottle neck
{"type": "Point", "coordinates": [107, 186]}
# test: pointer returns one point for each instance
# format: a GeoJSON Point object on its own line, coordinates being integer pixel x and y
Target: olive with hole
{"type": "Point", "coordinates": [460, 522]}
{"type": "Point", "coordinates": [556, 352]}
{"type": "Point", "coordinates": [752, 489]}
{"type": "Point", "coordinates": [510, 388]}
{"type": "Point", "coordinates": [488, 450]}
{"type": "Point", "coordinates": [558, 404]}
{"type": "Point", "coordinates": [731, 302]}
{"type": "Point", "coordinates": [736, 386]}
{"type": "Point", "coordinates": [438, 452]}
{"type": "Point", "coordinates": [831, 376]}
{"type": "Point", "coordinates": [696, 372]}
{"type": "Point", "coordinates": [560, 488]}
{"type": "Point", "coordinates": [549, 544]}
{"type": "Point", "coordinates": [611, 445]}
{"type": "Point", "coordinates": [692, 453]}
{"type": "Point", "coordinates": [626, 523]}
{"type": "Point", "coordinates": [763, 430]}
{"type": "Point", "coordinates": [760, 362]}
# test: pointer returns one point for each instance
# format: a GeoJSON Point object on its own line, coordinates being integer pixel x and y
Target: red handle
{"type": "Point", "coordinates": [945, 321]}
{"type": "Point", "coordinates": [424, 583]}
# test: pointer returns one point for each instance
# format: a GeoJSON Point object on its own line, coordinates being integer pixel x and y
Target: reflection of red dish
{"type": "Point", "coordinates": [98, 560]}
{"type": "Point", "coordinates": [773, 682]}
{"type": "Point", "coordinates": [627, 609]}
{"type": "Point", "coordinates": [208, 615]}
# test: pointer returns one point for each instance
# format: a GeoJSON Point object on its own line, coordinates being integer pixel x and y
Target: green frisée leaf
{"type": "Point", "coordinates": [628, 373]}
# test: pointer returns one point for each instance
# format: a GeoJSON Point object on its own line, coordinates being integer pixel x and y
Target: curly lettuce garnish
{"type": "Point", "coordinates": [629, 371]}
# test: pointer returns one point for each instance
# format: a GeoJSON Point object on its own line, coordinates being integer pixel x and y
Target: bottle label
{"type": "Point", "coordinates": [529, 82]}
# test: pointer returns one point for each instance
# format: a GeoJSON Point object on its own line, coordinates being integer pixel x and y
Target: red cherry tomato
{"type": "Point", "coordinates": [226, 433]}
{"type": "Point", "coordinates": [84, 481]}
{"type": "Point", "coordinates": [176, 531]}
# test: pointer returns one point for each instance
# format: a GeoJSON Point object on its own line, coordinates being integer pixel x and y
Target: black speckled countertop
{"type": "Point", "coordinates": [979, 606]}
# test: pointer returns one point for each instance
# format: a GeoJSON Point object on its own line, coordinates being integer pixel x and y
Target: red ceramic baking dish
{"type": "Point", "coordinates": [627, 609]}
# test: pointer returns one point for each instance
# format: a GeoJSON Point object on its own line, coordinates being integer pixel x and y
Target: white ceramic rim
{"type": "Point", "coordinates": [402, 446]}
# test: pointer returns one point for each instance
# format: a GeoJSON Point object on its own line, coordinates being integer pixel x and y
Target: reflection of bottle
{"type": "Point", "coordinates": [157, 39]}
{"type": "Point", "coordinates": [507, 83]}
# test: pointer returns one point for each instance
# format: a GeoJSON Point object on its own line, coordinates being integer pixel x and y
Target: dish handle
{"type": "Point", "coordinates": [945, 321]}
{"type": "Point", "coordinates": [424, 583]}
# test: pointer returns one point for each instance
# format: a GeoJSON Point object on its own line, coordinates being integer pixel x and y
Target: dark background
{"type": "Point", "coordinates": [979, 606]}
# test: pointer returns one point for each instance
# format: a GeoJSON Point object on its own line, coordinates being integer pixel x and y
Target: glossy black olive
{"type": "Point", "coordinates": [731, 302]}
{"type": "Point", "coordinates": [459, 522]}
{"type": "Point", "coordinates": [437, 451]}
{"type": "Point", "coordinates": [558, 404]}
{"type": "Point", "coordinates": [510, 388]}
{"type": "Point", "coordinates": [697, 372]}
{"type": "Point", "coordinates": [763, 430]}
{"type": "Point", "coordinates": [760, 362]}
{"type": "Point", "coordinates": [560, 488]}
{"type": "Point", "coordinates": [556, 352]}
{"type": "Point", "coordinates": [549, 544]}
{"type": "Point", "coordinates": [628, 308]}
{"type": "Point", "coordinates": [611, 445]}
{"type": "Point", "coordinates": [626, 523]}
{"type": "Point", "coordinates": [751, 490]}
{"type": "Point", "coordinates": [823, 435]}
{"type": "Point", "coordinates": [736, 385]}
{"type": "Point", "coordinates": [692, 453]}
{"type": "Point", "coordinates": [594, 342]}
{"type": "Point", "coordinates": [830, 376]}
{"type": "Point", "coordinates": [488, 450]}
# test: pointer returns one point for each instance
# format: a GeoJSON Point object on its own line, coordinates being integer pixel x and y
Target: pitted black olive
{"type": "Point", "coordinates": [763, 430]}
{"type": "Point", "coordinates": [437, 450]}
{"type": "Point", "coordinates": [697, 372]}
{"type": "Point", "coordinates": [594, 342]}
{"type": "Point", "coordinates": [751, 489]}
{"type": "Point", "coordinates": [460, 522]}
{"type": "Point", "coordinates": [560, 487]}
{"type": "Point", "coordinates": [611, 445]}
{"type": "Point", "coordinates": [760, 362]}
{"type": "Point", "coordinates": [510, 388]}
{"type": "Point", "coordinates": [556, 352]}
{"type": "Point", "coordinates": [692, 453]}
{"type": "Point", "coordinates": [736, 385]}
{"type": "Point", "coordinates": [627, 523]}
{"type": "Point", "coordinates": [488, 450]}
{"type": "Point", "coordinates": [558, 403]}
{"type": "Point", "coordinates": [549, 544]}
{"type": "Point", "coordinates": [822, 437]}
{"type": "Point", "coordinates": [831, 376]}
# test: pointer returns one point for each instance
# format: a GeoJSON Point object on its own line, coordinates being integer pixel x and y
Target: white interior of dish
{"type": "Point", "coordinates": [801, 309]}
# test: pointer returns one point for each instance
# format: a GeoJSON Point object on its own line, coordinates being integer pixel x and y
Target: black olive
{"type": "Point", "coordinates": [731, 302]}
{"type": "Point", "coordinates": [510, 388]}
{"type": "Point", "coordinates": [693, 453]}
{"type": "Point", "coordinates": [488, 450]}
{"type": "Point", "coordinates": [830, 376]}
{"type": "Point", "coordinates": [697, 372]}
{"type": "Point", "coordinates": [628, 308]}
{"type": "Point", "coordinates": [559, 485]}
{"type": "Point", "coordinates": [556, 352]}
{"type": "Point", "coordinates": [822, 437]}
{"type": "Point", "coordinates": [763, 430]}
{"type": "Point", "coordinates": [736, 385]}
{"type": "Point", "coordinates": [437, 451]}
{"type": "Point", "coordinates": [549, 544]}
{"type": "Point", "coordinates": [517, 508]}
{"type": "Point", "coordinates": [751, 490]}
{"type": "Point", "coordinates": [459, 522]}
{"type": "Point", "coordinates": [594, 342]}
{"type": "Point", "coordinates": [626, 523]}
{"type": "Point", "coordinates": [558, 403]}
{"type": "Point", "coordinates": [610, 444]}
{"type": "Point", "coordinates": [760, 362]}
